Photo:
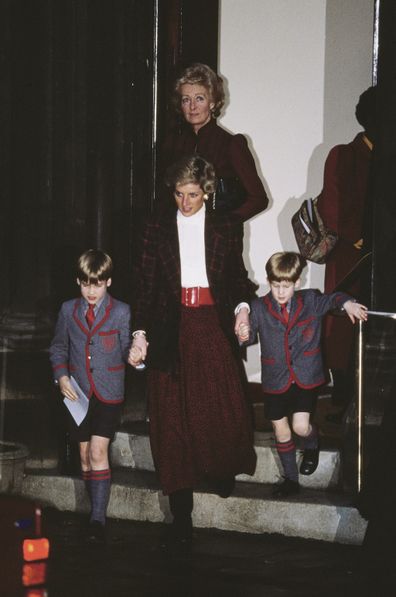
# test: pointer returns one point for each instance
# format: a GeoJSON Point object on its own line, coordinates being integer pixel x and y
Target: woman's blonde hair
{"type": "Point", "coordinates": [200, 74]}
{"type": "Point", "coordinates": [286, 266]}
{"type": "Point", "coordinates": [94, 265]}
{"type": "Point", "coordinates": [191, 169]}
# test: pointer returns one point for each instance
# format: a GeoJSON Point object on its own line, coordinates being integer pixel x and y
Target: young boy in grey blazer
{"type": "Point", "coordinates": [288, 322]}
{"type": "Point", "coordinates": [91, 344]}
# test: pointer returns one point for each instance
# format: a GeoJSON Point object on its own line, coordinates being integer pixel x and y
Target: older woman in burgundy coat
{"type": "Point", "coordinates": [198, 98]}
{"type": "Point", "coordinates": [342, 204]}
{"type": "Point", "coordinates": [191, 281]}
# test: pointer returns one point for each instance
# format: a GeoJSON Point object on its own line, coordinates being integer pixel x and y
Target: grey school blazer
{"type": "Point", "coordinates": [95, 357]}
{"type": "Point", "coordinates": [291, 352]}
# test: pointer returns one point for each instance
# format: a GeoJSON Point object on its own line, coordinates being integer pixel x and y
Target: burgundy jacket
{"type": "Point", "coordinates": [158, 281]}
{"type": "Point", "coordinates": [229, 155]}
{"type": "Point", "coordinates": [341, 204]}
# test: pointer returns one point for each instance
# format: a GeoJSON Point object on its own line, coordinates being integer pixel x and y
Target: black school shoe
{"type": "Point", "coordinates": [225, 487]}
{"type": "Point", "coordinates": [310, 461]}
{"type": "Point", "coordinates": [177, 539]}
{"type": "Point", "coordinates": [96, 532]}
{"type": "Point", "coordinates": [286, 488]}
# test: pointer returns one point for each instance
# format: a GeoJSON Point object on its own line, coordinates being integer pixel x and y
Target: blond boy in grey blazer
{"type": "Point", "coordinates": [91, 344]}
{"type": "Point", "coordinates": [288, 322]}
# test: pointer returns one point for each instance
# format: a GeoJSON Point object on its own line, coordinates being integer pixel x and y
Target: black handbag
{"type": "Point", "coordinates": [229, 195]}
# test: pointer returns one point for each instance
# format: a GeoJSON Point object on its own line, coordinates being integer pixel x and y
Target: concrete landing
{"type": "Point", "coordinates": [135, 495]}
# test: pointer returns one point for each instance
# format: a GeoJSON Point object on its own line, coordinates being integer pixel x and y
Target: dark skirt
{"type": "Point", "coordinates": [200, 421]}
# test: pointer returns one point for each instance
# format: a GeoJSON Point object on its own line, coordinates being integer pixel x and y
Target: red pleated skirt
{"type": "Point", "coordinates": [200, 420]}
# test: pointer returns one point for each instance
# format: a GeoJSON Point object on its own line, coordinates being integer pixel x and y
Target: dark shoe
{"type": "Point", "coordinates": [309, 462]}
{"type": "Point", "coordinates": [225, 487]}
{"type": "Point", "coordinates": [286, 488]}
{"type": "Point", "coordinates": [96, 532]}
{"type": "Point", "coordinates": [177, 539]}
{"type": "Point", "coordinates": [336, 418]}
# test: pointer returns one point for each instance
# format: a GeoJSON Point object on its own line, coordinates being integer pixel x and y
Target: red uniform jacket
{"type": "Point", "coordinates": [341, 204]}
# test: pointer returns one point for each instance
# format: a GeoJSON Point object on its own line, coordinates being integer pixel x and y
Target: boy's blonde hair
{"type": "Point", "coordinates": [94, 265]}
{"type": "Point", "coordinates": [286, 266]}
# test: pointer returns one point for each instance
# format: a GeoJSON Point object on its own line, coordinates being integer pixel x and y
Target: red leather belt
{"type": "Point", "coordinates": [196, 296]}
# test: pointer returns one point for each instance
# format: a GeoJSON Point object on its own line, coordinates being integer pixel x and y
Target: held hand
{"type": "Point", "coordinates": [358, 244]}
{"type": "Point", "coordinates": [242, 327]}
{"type": "Point", "coordinates": [243, 332]}
{"type": "Point", "coordinates": [138, 351]}
{"type": "Point", "coordinates": [67, 389]}
{"type": "Point", "coordinates": [355, 310]}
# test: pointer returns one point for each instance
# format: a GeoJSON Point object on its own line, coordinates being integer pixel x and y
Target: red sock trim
{"type": "Point", "coordinates": [288, 446]}
{"type": "Point", "coordinates": [85, 475]}
{"type": "Point", "coordinates": [101, 475]}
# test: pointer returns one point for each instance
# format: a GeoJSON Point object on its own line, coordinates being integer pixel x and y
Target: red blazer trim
{"type": "Point", "coordinates": [268, 361]}
{"type": "Point", "coordinates": [109, 333]}
{"type": "Point", "coordinates": [305, 321]}
{"type": "Point", "coordinates": [271, 309]}
{"type": "Point", "coordinates": [309, 353]}
{"type": "Point", "coordinates": [101, 399]}
{"type": "Point", "coordinates": [116, 368]}
{"type": "Point", "coordinates": [85, 329]}
{"type": "Point", "coordinates": [104, 318]}
{"type": "Point", "coordinates": [61, 366]}
{"type": "Point", "coordinates": [282, 390]}
{"type": "Point", "coordinates": [300, 385]}
{"type": "Point", "coordinates": [77, 320]}
{"type": "Point", "coordinates": [312, 385]}
{"type": "Point", "coordinates": [297, 311]}
{"type": "Point", "coordinates": [277, 314]}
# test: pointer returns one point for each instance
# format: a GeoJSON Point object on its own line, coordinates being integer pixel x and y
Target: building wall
{"type": "Point", "coordinates": [294, 71]}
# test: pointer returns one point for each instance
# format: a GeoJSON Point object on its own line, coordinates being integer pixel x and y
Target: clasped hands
{"type": "Point", "coordinates": [138, 351]}
{"type": "Point", "coordinates": [242, 326]}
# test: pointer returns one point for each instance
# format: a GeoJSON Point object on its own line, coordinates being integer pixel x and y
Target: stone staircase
{"type": "Point", "coordinates": [321, 511]}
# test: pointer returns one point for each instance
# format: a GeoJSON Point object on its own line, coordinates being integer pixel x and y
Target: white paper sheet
{"type": "Point", "coordinates": [77, 408]}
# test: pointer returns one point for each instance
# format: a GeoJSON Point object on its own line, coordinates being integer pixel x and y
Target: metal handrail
{"type": "Point", "coordinates": [360, 402]}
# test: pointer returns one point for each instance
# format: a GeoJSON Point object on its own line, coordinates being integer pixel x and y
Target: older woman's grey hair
{"type": "Point", "coordinates": [192, 169]}
{"type": "Point", "coordinates": [200, 74]}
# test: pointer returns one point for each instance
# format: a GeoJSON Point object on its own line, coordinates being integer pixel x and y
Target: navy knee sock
{"type": "Point", "coordinates": [287, 455]}
{"type": "Point", "coordinates": [100, 492]}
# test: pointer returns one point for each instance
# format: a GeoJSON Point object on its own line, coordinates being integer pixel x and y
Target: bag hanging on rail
{"type": "Point", "coordinates": [314, 240]}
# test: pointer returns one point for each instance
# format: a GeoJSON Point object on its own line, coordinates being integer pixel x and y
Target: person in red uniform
{"type": "Point", "coordinates": [342, 205]}
{"type": "Point", "coordinates": [193, 293]}
{"type": "Point", "coordinates": [198, 98]}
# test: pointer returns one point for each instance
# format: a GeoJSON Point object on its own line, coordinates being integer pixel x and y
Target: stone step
{"type": "Point", "coordinates": [132, 450]}
{"type": "Point", "coordinates": [135, 495]}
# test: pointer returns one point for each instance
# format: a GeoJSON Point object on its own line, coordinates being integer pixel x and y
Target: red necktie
{"type": "Point", "coordinates": [90, 315]}
{"type": "Point", "coordinates": [285, 313]}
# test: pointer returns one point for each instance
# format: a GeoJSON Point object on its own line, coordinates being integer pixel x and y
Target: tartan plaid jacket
{"type": "Point", "coordinates": [158, 281]}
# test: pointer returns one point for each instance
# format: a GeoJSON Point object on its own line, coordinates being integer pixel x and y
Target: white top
{"type": "Point", "coordinates": [191, 231]}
